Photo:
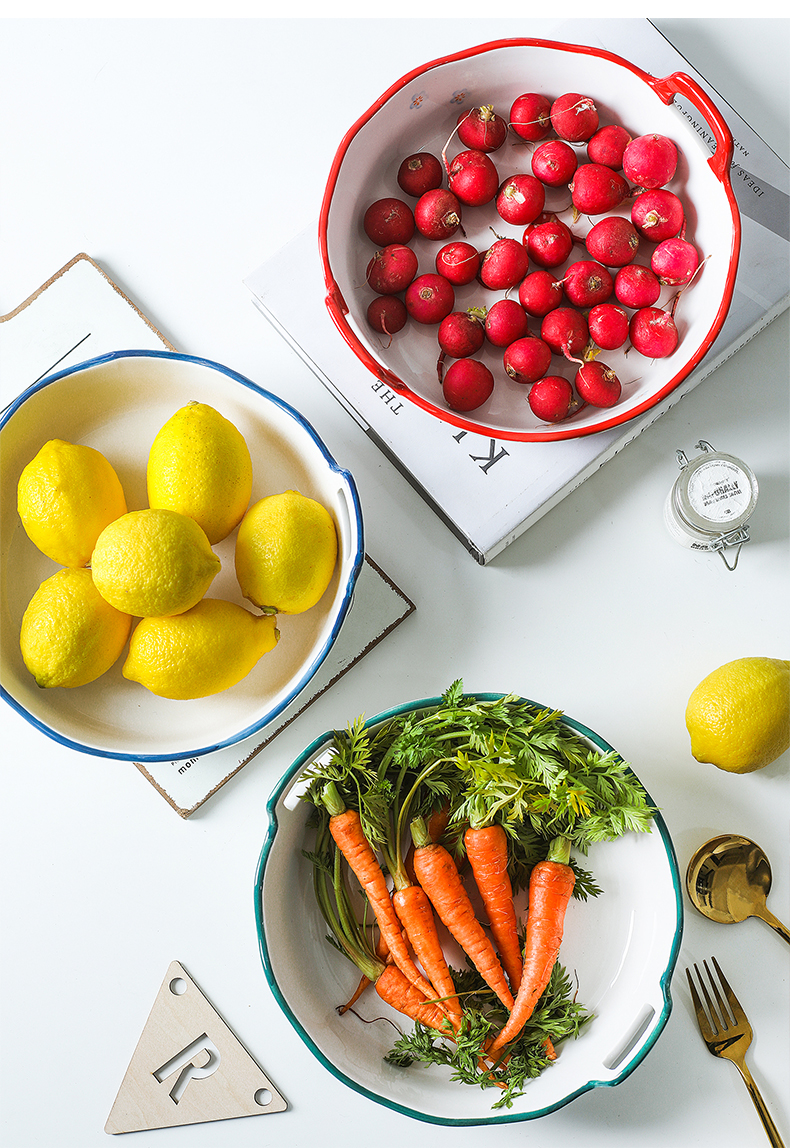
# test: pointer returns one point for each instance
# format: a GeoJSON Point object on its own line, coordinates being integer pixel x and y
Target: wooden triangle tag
{"type": "Point", "coordinates": [188, 1067]}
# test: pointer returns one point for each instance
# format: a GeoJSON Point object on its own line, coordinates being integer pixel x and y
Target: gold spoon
{"type": "Point", "coordinates": [728, 880]}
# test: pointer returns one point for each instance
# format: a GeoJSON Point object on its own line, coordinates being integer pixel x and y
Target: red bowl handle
{"type": "Point", "coordinates": [681, 84]}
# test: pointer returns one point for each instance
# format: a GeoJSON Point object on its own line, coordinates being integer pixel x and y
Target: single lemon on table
{"type": "Point", "coordinates": [199, 464]}
{"type": "Point", "coordinates": [70, 636]}
{"type": "Point", "coordinates": [739, 715]}
{"type": "Point", "coordinates": [66, 495]}
{"type": "Point", "coordinates": [286, 551]}
{"type": "Point", "coordinates": [201, 652]}
{"type": "Point", "coordinates": [152, 563]}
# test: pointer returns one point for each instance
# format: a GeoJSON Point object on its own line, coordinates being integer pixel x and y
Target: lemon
{"type": "Point", "coordinates": [203, 651]}
{"type": "Point", "coordinates": [199, 465]}
{"type": "Point", "coordinates": [739, 715]}
{"type": "Point", "coordinates": [70, 636]}
{"type": "Point", "coordinates": [66, 495]}
{"type": "Point", "coordinates": [153, 562]}
{"type": "Point", "coordinates": [286, 551]}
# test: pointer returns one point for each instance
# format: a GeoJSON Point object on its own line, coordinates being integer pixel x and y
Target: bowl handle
{"type": "Point", "coordinates": [338, 309]}
{"type": "Point", "coordinates": [681, 84]}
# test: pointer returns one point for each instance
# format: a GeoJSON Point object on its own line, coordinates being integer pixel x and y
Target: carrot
{"type": "Point", "coordinates": [397, 990]}
{"type": "Point", "coordinates": [438, 875]}
{"type": "Point", "coordinates": [486, 848]}
{"type": "Point", "coordinates": [550, 888]}
{"type": "Point", "coordinates": [383, 953]}
{"type": "Point", "coordinates": [436, 825]}
{"type": "Point", "coordinates": [416, 915]}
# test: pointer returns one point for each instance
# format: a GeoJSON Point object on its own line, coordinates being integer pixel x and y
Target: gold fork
{"type": "Point", "coordinates": [728, 1034]}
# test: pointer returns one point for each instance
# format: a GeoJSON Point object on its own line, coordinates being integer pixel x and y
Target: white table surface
{"type": "Point", "coordinates": [181, 154]}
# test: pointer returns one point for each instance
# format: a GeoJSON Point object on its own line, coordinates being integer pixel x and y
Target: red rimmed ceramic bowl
{"type": "Point", "coordinates": [419, 113]}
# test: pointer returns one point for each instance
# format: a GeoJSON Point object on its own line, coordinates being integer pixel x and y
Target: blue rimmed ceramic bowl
{"type": "Point", "coordinates": [116, 403]}
{"type": "Point", "coordinates": [621, 946]}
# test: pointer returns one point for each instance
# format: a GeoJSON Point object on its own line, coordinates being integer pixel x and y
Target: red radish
{"type": "Point", "coordinates": [530, 116]}
{"type": "Point", "coordinates": [674, 262]}
{"type": "Point", "coordinates": [597, 384]}
{"type": "Point", "coordinates": [554, 163]}
{"type": "Point", "coordinates": [473, 178]}
{"type": "Point", "coordinates": [392, 269]}
{"type": "Point", "coordinates": [551, 399]}
{"type": "Point", "coordinates": [389, 221]}
{"type": "Point", "coordinates": [458, 261]}
{"type": "Point", "coordinates": [596, 189]}
{"type": "Point", "coordinates": [461, 334]}
{"type": "Point", "coordinates": [650, 161]}
{"type": "Point", "coordinates": [387, 313]}
{"type": "Point", "coordinates": [565, 330]}
{"type": "Point", "coordinates": [636, 286]}
{"type": "Point", "coordinates": [467, 384]}
{"type": "Point", "coordinates": [437, 214]}
{"type": "Point", "coordinates": [658, 214]}
{"type": "Point", "coordinates": [550, 243]}
{"type": "Point", "coordinates": [608, 325]}
{"type": "Point", "coordinates": [587, 283]}
{"type": "Point", "coordinates": [419, 173]}
{"type": "Point", "coordinates": [653, 333]}
{"type": "Point", "coordinates": [574, 117]}
{"type": "Point", "coordinates": [482, 128]}
{"type": "Point", "coordinates": [504, 264]}
{"type": "Point", "coordinates": [429, 298]}
{"type": "Point", "coordinates": [608, 145]}
{"type": "Point", "coordinates": [505, 321]}
{"type": "Point", "coordinates": [527, 360]}
{"type": "Point", "coordinates": [539, 293]}
{"type": "Point", "coordinates": [613, 241]}
{"type": "Point", "coordinates": [520, 199]}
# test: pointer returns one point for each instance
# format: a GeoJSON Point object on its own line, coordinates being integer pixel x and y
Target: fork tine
{"type": "Point", "coordinates": [735, 1005]}
{"type": "Point", "coordinates": [721, 1019]}
{"type": "Point", "coordinates": [702, 1018]}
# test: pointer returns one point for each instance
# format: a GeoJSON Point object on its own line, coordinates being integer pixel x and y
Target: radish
{"type": "Point", "coordinates": [636, 286]}
{"type": "Point", "coordinates": [520, 199]}
{"type": "Point", "coordinates": [504, 264]}
{"type": "Point", "coordinates": [658, 214]}
{"type": "Point", "coordinates": [551, 399]}
{"type": "Point", "coordinates": [459, 262]}
{"type": "Point", "coordinates": [429, 298]}
{"type": "Point", "coordinates": [461, 333]}
{"type": "Point", "coordinates": [653, 333]}
{"type": "Point", "coordinates": [527, 360]}
{"type": "Point", "coordinates": [613, 241]}
{"type": "Point", "coordinates": [473, 178]}
{"type": "Point", "coordinates": [389, 221]}
{"type": "Point", "coordinates": [574, 117]}
{"type": "Point", "coordinates": [554, 163]}
{"type": "Point", "coordinates": [467, 384]}
{"type": "Point", "coordinates": [419, 173]}
{"type": "Point", "coordinates": [587, 283]}
{"type": "Point", "coordinates": [674, 262]}
{"type": "Point", "coordinates": [597, 384]}
{"type": "Point", "coordinates": [530, 116]}
{"type": "Point", "coordinates": [608, 326]}
{"type": "Point", "coordinates": [505, 321]}
{"type": "Point", "coordinates": [565, 330]}
{"type": "Point", "coordinates": [387, 313]}
{"type": "Point", "coordinates": [548, 243]}
{"type": "Point", "coordinates": [596, 189]}
{"type": "Point", "coordinates": [608, 145]}
{"type": "Point", "coordinates": [392, 269]}
{"type": "Point", "coordinates": [482, 129]}
{"type": "Point", "coordinates": [650, 161]}
{"type": "Point", "coordinates": [539, 293]}
{"type": "Point", "coordinates": [437, 214]}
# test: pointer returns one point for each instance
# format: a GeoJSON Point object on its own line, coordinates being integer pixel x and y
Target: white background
{"type": "Point", "coordinates": [180, 154]}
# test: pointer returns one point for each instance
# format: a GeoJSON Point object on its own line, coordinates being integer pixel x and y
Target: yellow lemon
{"type": "Point", "coordinates": [203, 651]}
{"type": "Point", "coordinates": [739, 715]}
{"type": "Point", "coordinates": [199, 465]}
{"type": "Point", "coordinates": [152, 563]}
{"type": "Point", "coordinates": [70, 636]}
{"type": "Point", "coordinates": [66, 495]}
{"type": "Point", "coordinates": [286, 551]}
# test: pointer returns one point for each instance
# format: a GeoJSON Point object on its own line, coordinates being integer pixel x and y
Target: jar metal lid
{"type": "Point", "coordinates": [716, 492]}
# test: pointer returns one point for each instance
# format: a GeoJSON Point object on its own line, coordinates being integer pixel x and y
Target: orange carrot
{"type": "Point", "coordinates": [382, 951]}
{"type": "Point", "coordinates": [438, 875]}
{"type": "Point", "coordinates": [398, 991]}
{"type": "Point", "coordinates": [486, 848]}
{"type": "Point", "coordinates": [550, 889]}
{"type": "Point", "coordinates": [436, 825]}
{"type": "Point", "coordinates": [416, 915]}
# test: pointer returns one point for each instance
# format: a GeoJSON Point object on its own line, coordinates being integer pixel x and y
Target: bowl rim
{"type": "Point", "coordinates": [665, 88]}
{"type": "Point", "coordinates": [656, 1023]}
{"type": "Point", "coordinates": [356, 560]}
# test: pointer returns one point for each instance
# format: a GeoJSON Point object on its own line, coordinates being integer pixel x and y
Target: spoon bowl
{"type": "Point", "coordinates": [728, 879]}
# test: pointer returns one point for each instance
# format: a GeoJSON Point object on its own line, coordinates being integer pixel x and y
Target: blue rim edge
{"type": "Point", "coordinates": [657, 1024]}
{"type": "Point", "coordinates": [358, 557]}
